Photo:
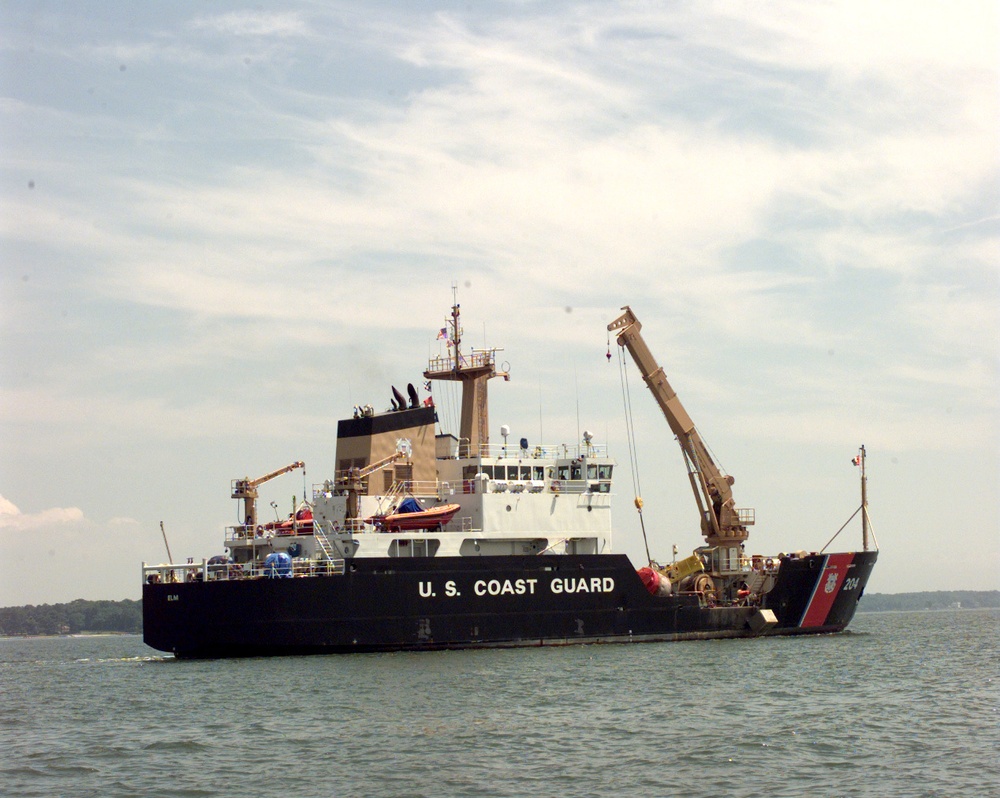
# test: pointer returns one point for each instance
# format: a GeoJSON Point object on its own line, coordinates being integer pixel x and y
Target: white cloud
{"type": "Point", "coordinates": [11, 518]}
{"type": "Point", "coordinates": [57, 554]}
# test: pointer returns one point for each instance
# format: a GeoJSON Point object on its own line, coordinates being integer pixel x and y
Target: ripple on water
{"type": "Point", "coordinates": [906, 705]}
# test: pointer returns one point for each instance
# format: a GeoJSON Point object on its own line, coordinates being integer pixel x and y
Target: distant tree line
{"type": "Point", "coordinates": [940, 600]}
{"type": "Point", "coordinates": [73, 618]}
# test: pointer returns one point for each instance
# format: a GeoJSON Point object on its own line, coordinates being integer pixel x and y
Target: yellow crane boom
{"type": "Point", "coordinates": [354, 479]}
{"type": "Point", "coordinates": [246, 489]}
{"type": "Point", "coordinates": [721, 522]}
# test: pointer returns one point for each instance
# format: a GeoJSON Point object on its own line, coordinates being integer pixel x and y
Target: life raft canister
{"type": "Point", "coordinates": [278, 565]}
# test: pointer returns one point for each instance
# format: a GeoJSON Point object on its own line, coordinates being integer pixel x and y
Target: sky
{"type": "Point", "coordinates": [222, 225]}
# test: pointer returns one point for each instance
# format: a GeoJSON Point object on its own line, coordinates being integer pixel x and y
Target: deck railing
{"type": "Point", "coordinates": [172, 573]}
{"type": "Point", "coordinates": [511, 451]}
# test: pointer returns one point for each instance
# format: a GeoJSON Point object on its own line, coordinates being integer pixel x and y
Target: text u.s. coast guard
{"type": "Point", "coordinates": [523, 587]}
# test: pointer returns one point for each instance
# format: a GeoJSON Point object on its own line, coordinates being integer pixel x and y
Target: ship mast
{"type": "Point", "coordinates": [474, 371]}
{"type": "Point", "coordinates": [864, 499]}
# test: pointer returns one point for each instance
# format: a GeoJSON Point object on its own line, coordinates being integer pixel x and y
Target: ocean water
{"type": "Point", "coordinates": [903, 704]}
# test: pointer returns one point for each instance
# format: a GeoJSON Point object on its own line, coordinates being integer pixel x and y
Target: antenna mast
{"type": "Point", "coordinates": [864, 500]}
{"type": "Point", "coordinates": [474, 372]}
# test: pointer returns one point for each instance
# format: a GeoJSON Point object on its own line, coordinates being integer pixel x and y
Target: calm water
{"type": "Point", "coordinates": [903, 705]}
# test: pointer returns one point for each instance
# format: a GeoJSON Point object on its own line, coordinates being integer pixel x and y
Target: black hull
{"type": "Point", "coordinates": [481, 602]}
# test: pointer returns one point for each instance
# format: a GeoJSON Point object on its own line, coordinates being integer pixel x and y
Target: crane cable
{"type": "Point", "coordinates": [633, 458]}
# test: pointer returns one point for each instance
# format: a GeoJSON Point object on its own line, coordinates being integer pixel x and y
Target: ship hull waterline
{"type": "Point", "coordinates": [429, 603]}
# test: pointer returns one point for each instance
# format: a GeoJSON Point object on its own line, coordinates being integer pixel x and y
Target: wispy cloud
{"type": "Point", "coordinates": [254, 23]}
{"type": "Point", "coordinates": [801, 205]}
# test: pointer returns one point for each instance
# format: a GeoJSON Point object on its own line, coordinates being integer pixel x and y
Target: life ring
{"type": "Point", "coordinates": [555, 486]}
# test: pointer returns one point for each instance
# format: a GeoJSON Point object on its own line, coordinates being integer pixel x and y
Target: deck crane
{"type": "Point", "coordinates": [722, 523]}
{"type": "Point", "coordinates": [246, 489]}
{"type": "Point", "coordinates": [353, 479]}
